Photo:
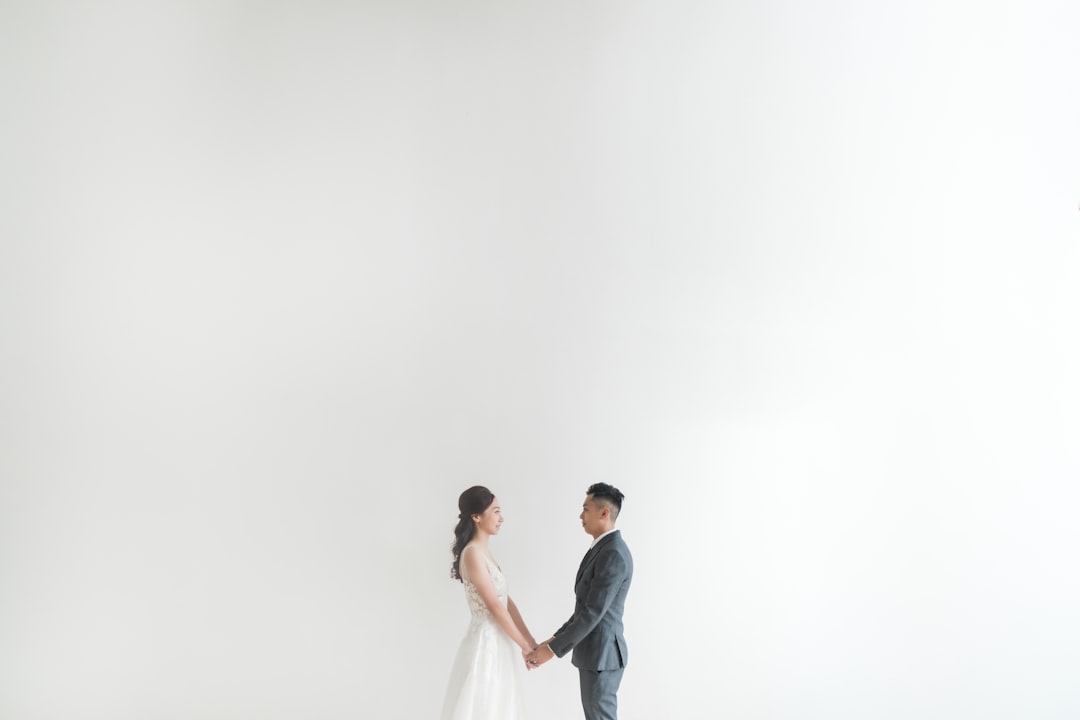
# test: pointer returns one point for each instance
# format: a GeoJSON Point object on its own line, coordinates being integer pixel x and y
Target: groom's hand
{"type": "Point", "coordinates": [539, 656]}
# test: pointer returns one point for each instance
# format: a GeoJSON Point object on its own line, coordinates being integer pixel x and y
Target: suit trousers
{"type": "Point", "coordinates": [598, 693]}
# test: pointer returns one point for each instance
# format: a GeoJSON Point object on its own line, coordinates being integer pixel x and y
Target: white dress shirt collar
{"type": "Point", "coordinates": [601, 537]}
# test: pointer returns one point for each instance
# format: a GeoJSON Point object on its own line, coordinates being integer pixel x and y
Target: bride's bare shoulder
{"type": "Point", "coordinates": [477, 560]}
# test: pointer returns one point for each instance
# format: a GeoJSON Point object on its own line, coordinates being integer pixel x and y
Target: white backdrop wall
{"type": "Point", "coordinates": [280, 279]}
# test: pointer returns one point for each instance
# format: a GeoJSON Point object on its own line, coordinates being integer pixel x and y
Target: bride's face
{"type": "Point", "coordinates": [492, 519]}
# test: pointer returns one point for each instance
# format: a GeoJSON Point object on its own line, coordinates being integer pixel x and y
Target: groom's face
{"type": "Point", "coordinates": [592, 516]}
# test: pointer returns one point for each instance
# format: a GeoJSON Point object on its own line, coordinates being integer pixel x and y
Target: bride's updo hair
{"type": "Point", "coordinates": [473, 501]}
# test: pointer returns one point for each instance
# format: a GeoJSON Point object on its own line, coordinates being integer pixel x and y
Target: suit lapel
{"type": "Point", "coordinates": [591, 554]}
{"type": "Point", "coordinates": [584, 562]}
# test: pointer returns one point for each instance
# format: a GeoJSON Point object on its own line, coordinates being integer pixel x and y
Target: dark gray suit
{"type": "Point", "coordinates": [595, 631]}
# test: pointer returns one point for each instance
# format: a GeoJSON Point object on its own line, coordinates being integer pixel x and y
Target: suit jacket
{"type": "Point", "coordinates": [595, 630]}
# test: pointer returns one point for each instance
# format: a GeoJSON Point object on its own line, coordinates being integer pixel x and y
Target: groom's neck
{"type": "Point", "coordinates": [603, 531]}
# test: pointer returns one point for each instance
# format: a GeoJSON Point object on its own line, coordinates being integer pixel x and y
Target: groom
{"type": "Point", "coordinates": [595, 631]}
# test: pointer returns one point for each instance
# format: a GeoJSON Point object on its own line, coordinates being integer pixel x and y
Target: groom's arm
{"type": "Point", "coordinates": [602, 592]}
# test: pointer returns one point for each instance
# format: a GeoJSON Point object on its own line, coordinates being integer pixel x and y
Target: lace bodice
{"type": "Point", "coordinates": [477, 608]}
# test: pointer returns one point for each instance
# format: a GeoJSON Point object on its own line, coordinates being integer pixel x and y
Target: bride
{"type": "Point", "coordinates": [487, 675]}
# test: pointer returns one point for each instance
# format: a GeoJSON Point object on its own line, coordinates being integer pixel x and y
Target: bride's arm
{"type": "Point", "coordinates": [477, 572]}
{"type": "Point", "coordinates": [520, 622]}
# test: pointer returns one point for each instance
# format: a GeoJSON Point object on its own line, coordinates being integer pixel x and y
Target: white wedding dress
{"type": "Point", "coordinates": [488, 673]}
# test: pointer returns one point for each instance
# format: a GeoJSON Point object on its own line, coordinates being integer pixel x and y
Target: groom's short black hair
{"type": "Point", "coordinates": [607, 495]}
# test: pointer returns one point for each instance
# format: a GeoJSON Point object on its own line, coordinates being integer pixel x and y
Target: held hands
{"type": "Point", "coordinates": [540, 655]}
